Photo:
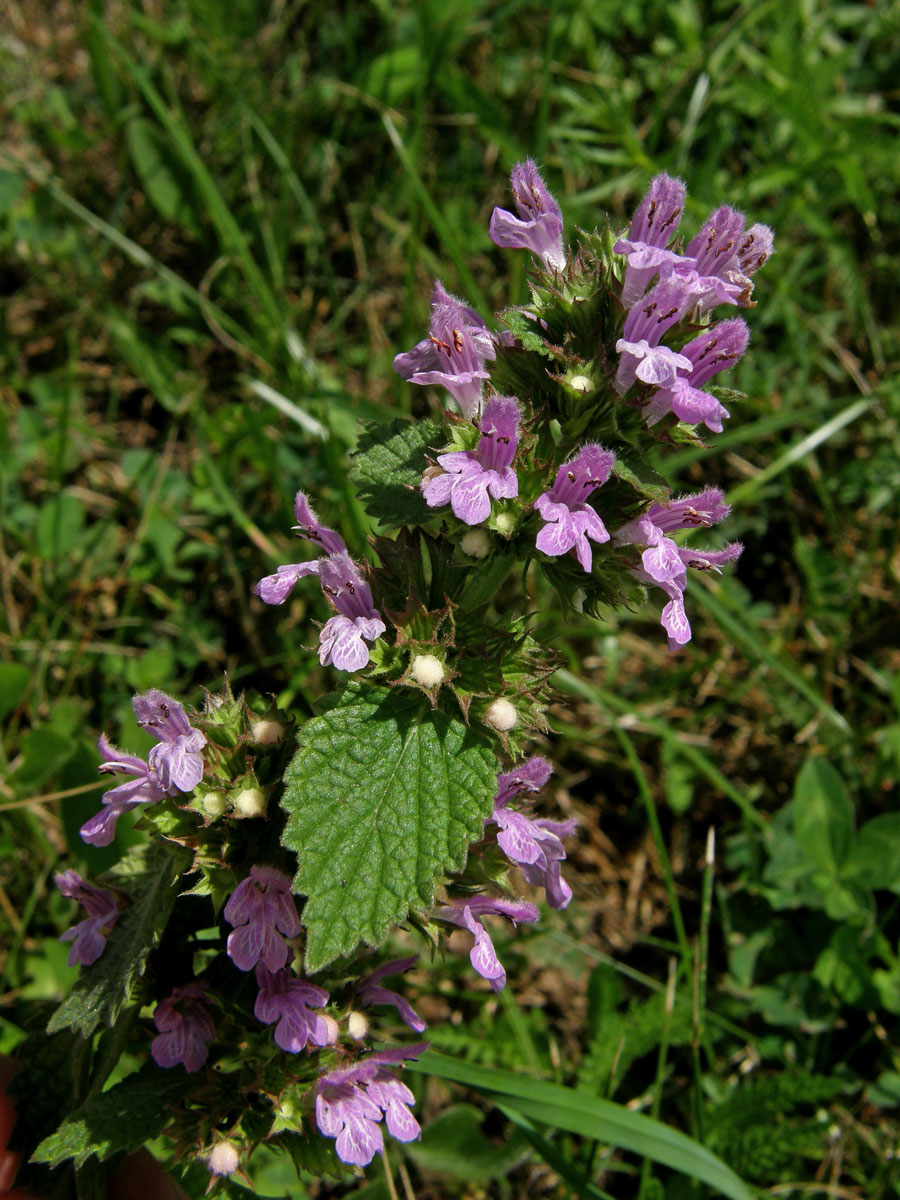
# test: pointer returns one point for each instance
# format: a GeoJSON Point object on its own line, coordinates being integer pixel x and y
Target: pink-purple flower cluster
{"type": "Point", "coordinates": [468, 478]}
{"type": "Point", "coordinates": [261, 908]}
{"type": "Point", "coordinates": [89, 936]}
{"type": "Point", "coordinates": [185, 1028]}
{"type": "Point", "coordinates": [454, 354]}
{"type": "Point", "coordinates": [664, 563]}
{"type": "Point", "coordinates": [262, 911]}
{"type": "Point", "coordinates": [343, 638]}
{"type": "Point", "coordinates": [289, 1001]}
{"type": "Point", "coordinates": [351, 1102]}
{"type": "Point", "coordinates": [535, 845]}
{"type": "Point", "coordinates": [174, 765]}
{"type": "Point", "coordinates": [715, 268]}
{"type": "Point", "coordinates": [569, 519]}
{"type": "Point", "coordinates": [467, 914]}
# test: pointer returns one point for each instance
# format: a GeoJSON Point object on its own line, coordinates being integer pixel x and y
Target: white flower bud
{"type": "Point", "coordinates": [505, 522]}
{"type": "Point", "coordinates": [428, 670]}
{"type": "Point", "coordinates": [333, 1030]}
{"type": "Point", "coordinates": [501, 715]}
{"type": "Point", "coordinates": [266, 733]}
{"type": "Point", "coordinates": [250, 803]}
{"type": "Point", "coordinates": [581, 383]}
{"type": "Point", "coordinates": [224, 1158]}
{"type": "Point", "coordinates": [357, 1025]}
{"type": "Point", "coordinates": [476, 543]}
{"type": "Point", "coordinates": [214, 804]}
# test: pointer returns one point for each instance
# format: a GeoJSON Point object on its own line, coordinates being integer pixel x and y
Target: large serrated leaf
{"type": "Point", "coordinates": [106, 986]}
{"type": "Point", "coordinates": [120, 1120]}
{"type": "Point", "coordinates": [383, 798]}
{"type": "Point", "coordinates": [387, 469]}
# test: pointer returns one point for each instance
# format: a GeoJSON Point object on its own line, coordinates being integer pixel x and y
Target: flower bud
{"type": "Point", "coordinates": [224, 1158]}
{"type": "Point", "coordinates": [357, 1025]}
{"type": "Point", "coordinates": [501, 715]}
{"type": "Point", "coordinates": [250, 803]}
{"type": "Point", "coordinates": [266, 733]}
{"type": "Point", "coordinates": [214, 804]}
{"type": "Point", "coordinates": [581, 383]}
{"type": "Point", "coordinates": [476, 543]}
{"type": "Point", "coordinates": [427, 670]}
{"type": "Point", "coordinates": [505, 522]}
{"type": "Point", "coordinates": [333, 1029]}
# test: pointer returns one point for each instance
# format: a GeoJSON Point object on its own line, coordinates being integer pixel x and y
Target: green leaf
{"type": "Point", "coordinates": [875, 859]}
{"type": "Point", "coordinates": [163, 176]}
{"type": "Point", "coordinates": [14, 679]}
{"type": "Point", "coordinates": [44, 752]}
{"type": "Point", "coordinates": [107, 985]}
{"type": "Point", "coordinates": [118, 1121]}
{"type": "Point", "coordinates": [582, 1113]}
{"type": "Point", "coordinates": [454, 1144]}
{"type": "Point", "coordinates": [383, 798]}
{"type": "Point", "coordinates": [642, 477]}
{"type": "Point", "coordinates": [387, 469]}
{"type": "Point", "coordinates": [525, 330]}
{"type": "Point", "coordinates": [395, 75]}
{"type": "Point", "coordinates": [60, 524]}
{"type": "Point", "coordinates": [822, 814]}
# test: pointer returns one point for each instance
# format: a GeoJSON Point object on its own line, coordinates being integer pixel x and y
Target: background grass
{"type": "Point", "coordinates": [218, 223]}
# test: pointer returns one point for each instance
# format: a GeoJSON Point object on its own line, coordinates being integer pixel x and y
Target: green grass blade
{"type": "Point", "coordinates": [609, 701]}
{"type": "Point", "coordinates": [737, 627]}
{"type": "Point", "coordinates": [799, 450]}
{"type": "Point", "coordinates": [135, 253]}
{"type": "Point", "coordinates": [582, 1113]}
{"type": "Point", "coordinates": [230, 233]}
{"type": "Point", "coordinates": [474, 294]}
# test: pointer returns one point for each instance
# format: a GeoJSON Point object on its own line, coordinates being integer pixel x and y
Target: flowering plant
{"type": "Point", "coordinates": [237, 947]}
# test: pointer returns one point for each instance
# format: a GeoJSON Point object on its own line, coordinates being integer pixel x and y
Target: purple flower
{"type": "Point", "coordinates": [528, 776]}
{"type": "Point", "coordinates": [145, 789]}
{"type": "Point", "coordinates": [289, 1001]}
{"type": "Point", "coordinates": [89, 936]}
{"type": "Point", "coordinates": [350, 1103]}
{"type": "Point", "coordinates": [717, 349]}
{"type": "Point", "coordinates": [569, 520]}
{"type": "Point", "coordinates": [652, 226]}
{"type": "Point", "coordinates": [175, 765]}
{"type": "Point", "coordinates": [466, 913]}
{"type": "Point", "coordinates": [534, 845]}
{"type": "Point", "coordinates": [665, 564]}
{"type": "Point", "coordinates": [275, 589]}
{"type": "Point", "coordinates": [642, 356]}
{"type": "Point", "coordinates": [454, 353]}
{"type": "Point", "coordinates": [262, 910]}
{"type": "Point", "coordinates": [342, 639]}
{"type": "Point", "coordinates": [185, 1031]}
{"type": "Point", "coordinates": [725, 257]}
{"type": "Point", "coordinates": [370, 992]}
{"type": "Point", "coordinates": [538, 227]}
{"type": "Point", "coordinates": [177, 760]}
{"type": "Point", "coordinates": [470, 477]}
{"type": "Point", "coordinates": [756, 248]}
{"type": "Point", "coordinates": [308, 526]}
